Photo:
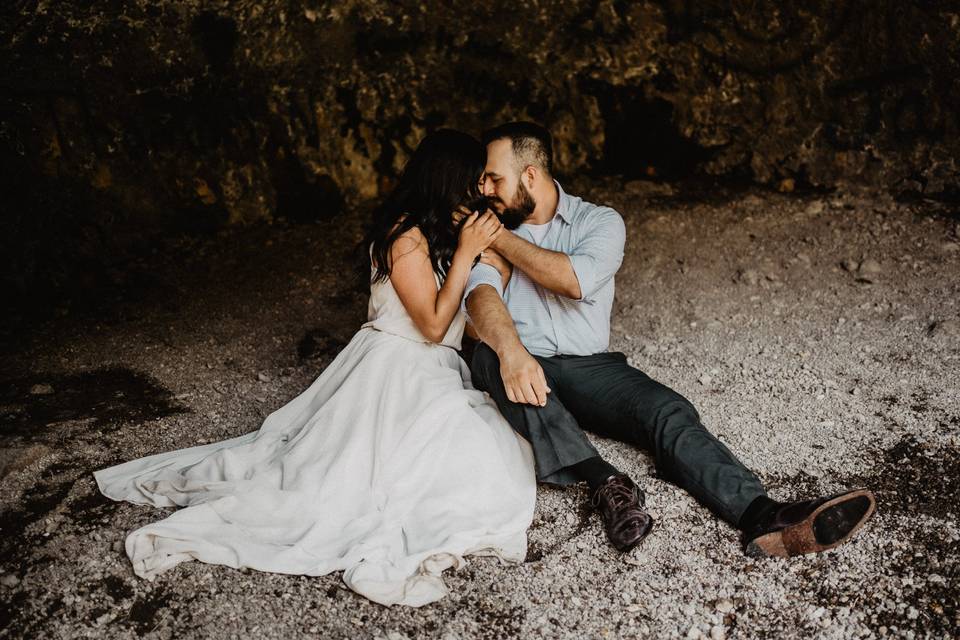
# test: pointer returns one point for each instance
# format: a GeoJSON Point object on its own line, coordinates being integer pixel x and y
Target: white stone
{"type": "Point", "coordinates": [9, 580]}
{"type": "Point", "coordinates": [724, 605]}
{"type": "Point", "coordinates": [870, 267]}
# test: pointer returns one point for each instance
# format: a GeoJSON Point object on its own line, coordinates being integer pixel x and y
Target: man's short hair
{"type": "Point", "coordinates": [532, 144]}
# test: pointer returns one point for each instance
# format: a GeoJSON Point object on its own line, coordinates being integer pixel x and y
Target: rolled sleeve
{"type": "Point", "coordinates": [599, 251]}
{"type": "Point", "coordinates": [481, 274]}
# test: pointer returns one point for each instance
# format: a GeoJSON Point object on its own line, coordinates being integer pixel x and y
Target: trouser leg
{"type": "Point", "coordinates": [557, 440]}
{"type": "Point", "coordinates": [611, 398]}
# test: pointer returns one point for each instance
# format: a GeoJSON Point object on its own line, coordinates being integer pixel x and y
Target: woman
{"type": "Point", "coordinates": [390, 466]}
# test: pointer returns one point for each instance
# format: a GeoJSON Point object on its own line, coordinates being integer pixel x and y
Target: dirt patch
{"type": "Point", "coordinates": [9, 615]}
{"type": "Point", "coordinates": [498, 622]}
{"type": "Point", "coordinates": [33, 405]}
{"type": "Point", "coordinates": [908, 478]}
{"type": "Point", "coordinates": [318, 343]}
{"type": "Point", "coordinates": [914, 478]}
{"type": "Point", "coordinates": [927, 603]}
{"type": "Point", "coordinates": [147, 612]}
{"type": "Point", "coordinates": [37, 503]}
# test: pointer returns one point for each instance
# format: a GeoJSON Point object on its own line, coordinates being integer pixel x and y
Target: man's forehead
{"type": "Point", "coordinates": [499, 153]}
{"type": "Point", "coordinates": [500, 146]}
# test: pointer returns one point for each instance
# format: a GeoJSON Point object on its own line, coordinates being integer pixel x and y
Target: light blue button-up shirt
{"type": "Point", "coordinates": [550, 324]}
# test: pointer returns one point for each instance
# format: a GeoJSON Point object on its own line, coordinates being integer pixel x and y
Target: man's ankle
{"type": "Point", "coordinates": [595, 471]}
{"type": "Point", "coordinates": [759, 510]}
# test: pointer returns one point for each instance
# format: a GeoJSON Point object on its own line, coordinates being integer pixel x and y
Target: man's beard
{"type": "Point", "coordinates": [524, 204]}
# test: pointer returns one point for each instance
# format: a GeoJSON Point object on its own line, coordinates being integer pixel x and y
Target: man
{"type": "Point", "coordinates": [544, 360]}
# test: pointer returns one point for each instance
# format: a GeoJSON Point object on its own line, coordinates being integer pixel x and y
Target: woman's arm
{"type": "Point", "coordinates": [412, 274]}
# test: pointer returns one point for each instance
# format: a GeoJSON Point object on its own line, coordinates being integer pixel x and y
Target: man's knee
{"type": "Point", "coordinates": [674, 415]}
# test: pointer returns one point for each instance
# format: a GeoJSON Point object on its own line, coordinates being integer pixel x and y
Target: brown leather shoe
{"type": "Point", "coordinates": [620, 503]}
{"type": "Point", "coordinates": [811, 526]}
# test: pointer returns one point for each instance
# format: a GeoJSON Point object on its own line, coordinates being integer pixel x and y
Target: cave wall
{"type": "Point", "coordinates": [121, 119]}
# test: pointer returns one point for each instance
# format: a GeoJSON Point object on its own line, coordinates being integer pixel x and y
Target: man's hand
{"type": "Point", "coordinates": [551, 270]}
{"type": "Point", "coordinates": [523, 378]}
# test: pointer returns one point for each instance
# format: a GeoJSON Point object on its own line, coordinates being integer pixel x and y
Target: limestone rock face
{"type": "Point", "coordinates": [125, 118]}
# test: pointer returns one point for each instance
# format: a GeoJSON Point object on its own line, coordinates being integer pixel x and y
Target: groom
{"type": "Point", "coordinates": [545, 362]}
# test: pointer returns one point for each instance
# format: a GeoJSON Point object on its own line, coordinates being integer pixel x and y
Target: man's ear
{"type": "Point", "coordinates": [531, 174]}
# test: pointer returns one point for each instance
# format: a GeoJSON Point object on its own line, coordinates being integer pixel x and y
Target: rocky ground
{"type": "Point", "coordinates": [818, 334]}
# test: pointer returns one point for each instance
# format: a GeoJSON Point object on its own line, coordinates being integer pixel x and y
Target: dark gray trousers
{"type": "Point", "coordinates": [612, 399]}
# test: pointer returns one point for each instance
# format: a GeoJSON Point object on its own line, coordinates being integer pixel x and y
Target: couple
{"type": "Point", "coordinates": [392, 466]}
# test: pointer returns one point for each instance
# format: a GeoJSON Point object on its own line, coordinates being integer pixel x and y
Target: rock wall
{"type": "Point", "coordinates": [131, 117]}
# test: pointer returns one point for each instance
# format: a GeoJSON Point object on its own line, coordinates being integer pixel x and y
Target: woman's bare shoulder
{"type": "Point", "coordinates": [413, 234]}
{"type": "Point", "coordinates": [411, 241]}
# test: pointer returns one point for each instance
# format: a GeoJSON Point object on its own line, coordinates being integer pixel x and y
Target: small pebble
{"type": "Point", "coordinates": [870, 267]}
{"type": "Point", "coordinates": [42, 389]}
{"type": "Point", "coordinates": [106, 618]}
{"type": "Point", "coordinates": [634, 562]}
{"type": "Point", "coordinates": [9, 580]}
{"type": "Point", "coordinates": [950, 247]}
{"type": "Point", "coordinates": [849, 264]}
{"type": "Point", "coordinates": [748, 276]}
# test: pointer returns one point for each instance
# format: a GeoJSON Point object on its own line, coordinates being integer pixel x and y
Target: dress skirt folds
{"type": "Point", "coordinates": [390, 467]}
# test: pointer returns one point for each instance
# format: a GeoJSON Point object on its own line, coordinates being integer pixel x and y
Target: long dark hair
{"type": "Point", "coordinates": [443, 173]}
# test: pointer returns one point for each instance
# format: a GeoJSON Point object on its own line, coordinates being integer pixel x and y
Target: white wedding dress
{"type": "Point", "coordinates": [390, 467]}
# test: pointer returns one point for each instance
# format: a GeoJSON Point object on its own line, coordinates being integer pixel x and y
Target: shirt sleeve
{"type": "Point", "coordinates": [599, 251]}
{"type": "Point", "coordinates": [481, 274]}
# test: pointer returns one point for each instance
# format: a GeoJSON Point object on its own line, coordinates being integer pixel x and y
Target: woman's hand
{"type": "Point", "coordinates": [497, 261]}
{"type": "Point", "coordinates": [491, 257]}
{"type": "Point", "coordinates": [478, 232]}
{"type": "Point", "coordinates": [460, 213]}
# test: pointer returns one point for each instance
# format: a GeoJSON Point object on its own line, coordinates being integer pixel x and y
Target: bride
{"type": "Point", "coordinates": [390, 466]}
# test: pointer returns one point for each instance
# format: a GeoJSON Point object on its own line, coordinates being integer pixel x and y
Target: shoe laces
{"type": "Point", "coordinates": [617, 493]}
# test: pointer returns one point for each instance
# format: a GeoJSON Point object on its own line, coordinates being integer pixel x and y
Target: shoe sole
{"type": "Point", "coordinates": [828, 526]}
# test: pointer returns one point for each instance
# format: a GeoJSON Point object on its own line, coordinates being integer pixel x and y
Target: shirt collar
{"type": "Point", "coordinates": [563, 204]}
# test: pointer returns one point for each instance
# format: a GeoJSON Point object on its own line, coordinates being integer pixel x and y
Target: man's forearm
{"type": "Point", "coordinates": [491, 320]}
{"type": "Point", "coordinates": [550, 269]}
{"type": "Point", "coordinates": [522, 376]}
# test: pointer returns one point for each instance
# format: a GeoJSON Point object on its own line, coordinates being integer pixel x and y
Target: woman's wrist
{"type": "Point", "coordinates": [462, 255]}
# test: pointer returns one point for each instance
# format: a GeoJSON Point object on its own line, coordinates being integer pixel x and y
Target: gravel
{"type": "Point", "coordinates": [819, 337]}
